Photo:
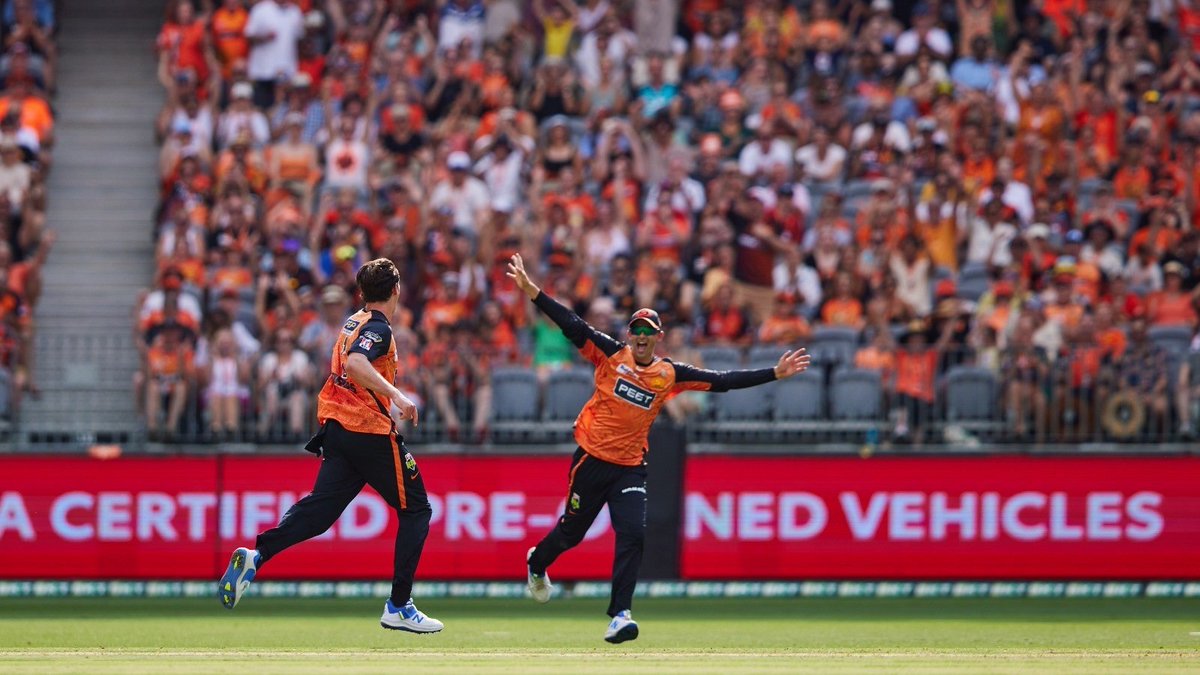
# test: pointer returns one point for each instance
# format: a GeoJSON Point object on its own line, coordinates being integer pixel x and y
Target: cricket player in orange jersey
{"type": "Point", "coordinates": [609, 467]}
{"type": "Point", "coordinates": [358, 445]}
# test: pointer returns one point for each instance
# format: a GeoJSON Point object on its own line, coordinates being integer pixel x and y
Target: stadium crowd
{"type": "Point", "coordinates": [28, 57]}
{"type": "Point", "coordinates": [1007, 185]}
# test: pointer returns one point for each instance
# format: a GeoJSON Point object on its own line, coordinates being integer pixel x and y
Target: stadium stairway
{"type": "Point", "coordinates": [102, 193]}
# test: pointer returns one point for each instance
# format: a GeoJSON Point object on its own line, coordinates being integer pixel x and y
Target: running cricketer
{"type": "Point", "coordinates": [609, 466]}
{"type": "Point", "coordinates": [358, 445]}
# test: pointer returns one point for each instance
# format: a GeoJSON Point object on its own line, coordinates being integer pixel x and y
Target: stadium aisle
{"type": "Point", "coordinates": [102, 198]}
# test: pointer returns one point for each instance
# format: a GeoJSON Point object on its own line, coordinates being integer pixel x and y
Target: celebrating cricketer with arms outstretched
{"type": "Point", "coordinates": [609, 466]}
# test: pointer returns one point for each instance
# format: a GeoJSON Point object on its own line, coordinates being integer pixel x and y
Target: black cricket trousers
{"type": "Point", "coordinates": [591, 484]}
{"type": "Point", "coordinates": [349, 461]}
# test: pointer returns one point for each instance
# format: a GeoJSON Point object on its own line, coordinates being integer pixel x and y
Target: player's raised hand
{"type": "Point", "coordinates": [516, 272]}
{"type": "Point", "coordinates": [792, 363]}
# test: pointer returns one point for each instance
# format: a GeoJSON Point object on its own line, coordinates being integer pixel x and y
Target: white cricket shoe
{"type": "Point", "coordinates": [621, 628]}
{"type": "Point", "coordinates": [539, 586]}
{"type": "Point", "coordinates": [408, 618]}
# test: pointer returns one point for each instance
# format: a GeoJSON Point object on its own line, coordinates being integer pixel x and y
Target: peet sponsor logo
{"type": "Point", "coordinates": [633, 394]}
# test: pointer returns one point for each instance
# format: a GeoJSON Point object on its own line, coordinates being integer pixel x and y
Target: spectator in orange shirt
{"type": "Point", "coordinates": [168, 377]}
{"type": "Point", "coordinates": [229, 41]}
{"type": "Point", "coordinates": [784, 326]}
{"type": "Point", "coordinates": [1172, 306]}
{"type": "Point", "coordinates": [842, 309]}
{"type": "Point", "coordinates": [722, 321]}
{"type": "Point", "coordinates": [879, 355]}
{"type": "Point", "coordinates": [915, 384]}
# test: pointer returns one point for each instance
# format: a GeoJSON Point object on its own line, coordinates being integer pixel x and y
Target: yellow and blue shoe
{"type": "Point", "coordinates": [408, 618]}
{"type": "Point", "coordinates": [243, 565]}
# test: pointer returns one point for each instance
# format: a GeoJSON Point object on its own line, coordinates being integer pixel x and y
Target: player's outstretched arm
{"type": "Point", "coordinates": [691, 377]}
{"type": "Point", "coordinates": [595, 345]}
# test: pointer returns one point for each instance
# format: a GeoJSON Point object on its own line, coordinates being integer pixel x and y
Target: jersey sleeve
{"type": "Point", "coordinates": [594, 345]}
{"type": "Point", "coordinates": [693, 378]}
{"type": "Point", "coordinates": [373, 341]}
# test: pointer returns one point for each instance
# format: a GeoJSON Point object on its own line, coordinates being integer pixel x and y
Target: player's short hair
{"type": "Point", "coordinates": [376, 279]}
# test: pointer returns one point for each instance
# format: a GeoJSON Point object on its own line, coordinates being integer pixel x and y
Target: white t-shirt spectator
{"type": "Point", "coordinates": [754, 159]}
{"type": "Point", "coordinates": [688, 196]}
{"type": "Point", "coordinates": [234, 122]}
{"type": "Point", "coordinates": [1017, 196]}
{"type": "Point", "coordinates": [461, 19]}
{"type": "Point", "coordinates": [896, 136]}
{"type": "Point", "coordinates": [989, 245]}
{"type": "Point", "coordinates": [503, 179]}
{"type": "Point", "coordinates": [587, 57]}
{"type": "Point", "coordinates": [278, 56]}
{"type": "Point", "coordinates": [15, 180]}
{"type": "Point", "coordinates": [822, 168]}
{"type": "Point", "coordinates": [1143, 277]}
{"type": "Point", "coordinates": [937, 39]}
{"type": "Point", "coordinates": [467, 202]}
{"type": "Point", "coordinates": [912, 283]}
{"type": "Point", "coordinates": [346, 163]}
{"type": "Point", "coordinates": [201, 127]}
{"type": "Point", "coordinates": [274, 370]}
{"type": "Point", "coordinates": [803, 280]}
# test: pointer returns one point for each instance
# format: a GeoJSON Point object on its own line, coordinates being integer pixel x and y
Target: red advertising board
{"type": "Point", "coordinates": [178, 518]}
{"type": "Point", "coordinates": [942, 518]}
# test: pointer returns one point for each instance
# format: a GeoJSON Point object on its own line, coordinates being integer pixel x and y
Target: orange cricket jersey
{"type": "Point", "coordinates": [353, 406]}
{"type": "Point", "coordinates": [614, 423]}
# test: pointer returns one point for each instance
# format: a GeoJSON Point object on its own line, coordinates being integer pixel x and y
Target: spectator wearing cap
{"type": "Point", "coordinates": [319, 334]}
{"type": "Point", "coordinates": [273, 29]}
{"type": "Point", "coordinates": [463, 193]}
{"type": "Point", "coordinates": [1173, 305]}
{"type": "Point", "coordinates": [723, 321]}
{"type": "Point", "coordinates": [242, 118]}
{"type": "Point", "coordinates": [914, 389]}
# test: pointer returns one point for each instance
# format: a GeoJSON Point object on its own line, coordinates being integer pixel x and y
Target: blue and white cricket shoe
{"type": "Point", "coordinates": [243, 565]}
{"type": "Point", "coordinates": [539, 586]}
{"type": "Point", "coordinates": [622, 628]}
{"type": "Point", "coordinates": [408, 618]}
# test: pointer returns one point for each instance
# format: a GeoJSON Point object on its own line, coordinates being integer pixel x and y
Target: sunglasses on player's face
{"type": "Point", "coordinates": [643, 330]}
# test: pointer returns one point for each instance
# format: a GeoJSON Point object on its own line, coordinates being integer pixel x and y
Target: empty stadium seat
{"type": "Point", "coordinates": [721, 358]}
{"type": "Point", "coordinates": [514, 395]}
{"type": "Point", "coordinates": [566, 392]}
{"type": "Point", "coordinates": [799, 398]}
{"type": "Point", "coordinates": [856, 395]}
{"type": "Point", "coordinates": [753, 403]}
{"type": "Point", "coordinates": [971, 395]}
{"type": "Point", "coordinates": [832, 345]}
{"type": "Point", "coordinates": [764, 356]}
{"type": "Point", "coordinates": [972, 288]}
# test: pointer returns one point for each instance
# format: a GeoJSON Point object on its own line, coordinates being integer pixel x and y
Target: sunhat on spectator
{"type": "Point", "coordinates": [301, 80]}
{"type": "Point", "coordinates": [241, 90]}
{"type": "Point", "coordinates": [458, 161]}
{"type": "Point", "coordinates": [334, 295]}
{"type": "Point", "coordinates": [1038, 231]}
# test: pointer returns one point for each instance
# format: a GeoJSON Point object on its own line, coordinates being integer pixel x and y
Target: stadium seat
{"type": "Point", "coordinates": [1175, 340]}
{"type": "Point", "coordinates": [971, 395]}
{"type": "Point", "coordinates": [832, 345]}
{"type": "Point", "coordinates": [972, 270]}
{"type": "Point", "coordinates": [856, 189]}
{"type": "Point", "coordinates": [721, 358]}
{"type": "Point", "coordinates": [515, 397]}
{"type": "Point", "coordinates": [566, 392]}
{"type": "Point", "coordinates": [1132, 211]}
{"type": "Point", "coordinates": [856, 395]}
{"type": "Point", "coordinates": [764, 356]}
{"type": "Point", "coordinates": [972, 288]}
{"type": "Point", "coordinates": [739, 405]}
{"type": "Point", "coordinates": [798, 399]}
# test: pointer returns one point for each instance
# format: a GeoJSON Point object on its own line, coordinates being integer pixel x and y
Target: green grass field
{"type": "Point", "coordinates": [679, 635]}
